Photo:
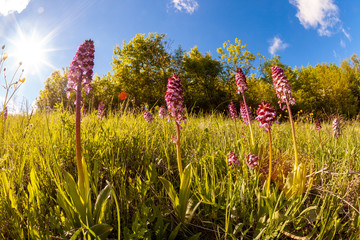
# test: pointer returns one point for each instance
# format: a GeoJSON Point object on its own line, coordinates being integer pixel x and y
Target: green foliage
{"type": "Point", "coordinates": [77, 204]}
{"type": "Point", "coordinates": [202, 85]}
{"type": "Point", "coordinates": [234, 56]}
{"type": "Point", "coordinates": [55, 91]}
{"type": "Point", "coordinates": [181, 202]}
{"type": "Point", "coordinates": [141, 68]}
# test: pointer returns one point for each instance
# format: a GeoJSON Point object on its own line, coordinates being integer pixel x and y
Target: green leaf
{"type": "Point", "coordinates": [102, 230]}
{"type": "Point", "coordinates": [69, 212]}
{"type": "Point", "coordinates": [170, 191]}
{"type": "Point", "coordinates": [100, 203]}
{"type": "Point", "coordinates": [74, 237]}
{"type": "Point", "coordinates": [174, 232]}
{"type": "Point", "coordinates": [184, 194]}
{"type": "Point", "coordinates": [73, 192]}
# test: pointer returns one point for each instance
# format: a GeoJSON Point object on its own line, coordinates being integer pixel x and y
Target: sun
{"type": "Point", "coordinates": [31, 51]}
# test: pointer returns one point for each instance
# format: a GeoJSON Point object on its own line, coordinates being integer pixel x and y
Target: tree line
{"type": "Point", "coordinates": [142, 66]}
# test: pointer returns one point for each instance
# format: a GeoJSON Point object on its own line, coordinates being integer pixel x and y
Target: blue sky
{"type": "Point", "coordinates": [301, 31]}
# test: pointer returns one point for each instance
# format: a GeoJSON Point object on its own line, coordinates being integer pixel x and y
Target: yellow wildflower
{"type": "Point", "coordinates": [22, 80]}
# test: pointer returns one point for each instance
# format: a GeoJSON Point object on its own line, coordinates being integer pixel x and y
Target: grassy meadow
{"type": "Point", "coordinates": [224, 202]}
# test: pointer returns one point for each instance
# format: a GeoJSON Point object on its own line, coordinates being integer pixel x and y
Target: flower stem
{"type": "Point", "coordinates": [178, 151]}
{"type": "Point", "coordinates": [270, 167]}
{"type": "Point", "coordinates": [235, 126]}
{"type": "Point", "coordinates": [78, 136]}
{"type": "Point", "coordinates": [292, 132]}
{"type": "Point", "coordinates": [249, 122]}
{"type": "Point", "coordinates": [320, 139]}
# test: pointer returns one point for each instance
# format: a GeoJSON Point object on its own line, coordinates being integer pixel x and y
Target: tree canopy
{"type": "Point", "coordinates": [142, 66]}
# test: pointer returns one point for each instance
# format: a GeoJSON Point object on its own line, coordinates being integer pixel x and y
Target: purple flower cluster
{"type": "Point", "coordinates": [101, 110]}
{"type": "Point", "coordinates": [336, 127]}
{"type": "Point", "coordinates": [162, 112]}
{"type": "Point", "coordinates": [244, 114]}
{"type": "Point", "coordinates": [174, 99]}
{"type": "Point", "coordinates": [266, 115]}
{"type": "Point", "coordinates": [240, 80]}
{"type": "Point", "coordinates": [233, 159]}
{"type": "Point", "coordinates": [81, 68]}
{"type": "Point", "coordinates": [148, 116]}
{"type": "Point", "coordinates": [282, 86]}
{"type": "Point", "coordinates": [318, 125]}
{"type": "Point", "coordinates": [232, 110]}
{"type": "Point", "coordinates": [252, 160]}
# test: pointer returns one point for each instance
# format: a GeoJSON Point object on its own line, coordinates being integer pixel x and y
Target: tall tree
{"type": "Point", "coordinates": [233, 56]}
{"type": "Point", "coordinates": [54, 90]}
{"type": "Point", "coordinates": [202, 80]}
{"type": "Point", "coordinates": [142, 67]}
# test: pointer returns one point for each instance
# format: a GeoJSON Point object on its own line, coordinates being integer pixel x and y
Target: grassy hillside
{"type": "Point", "coordinates": [131, 154]}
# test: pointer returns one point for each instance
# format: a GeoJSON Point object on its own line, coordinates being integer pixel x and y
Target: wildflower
{"type": "Point", "coordinates": [282, 86]}
{"type": "Point", "coordinates": [232, 110]}
{"type": "Point", "coordinates": [173, 139]}
{"type": "Point", "coordinates": [101, 110]}
{"type": "Point", "coordinates": [336, 127]}
{"type": "Point", "coordinates": [265, 115]}
{"type": "Point", "coordinates": [240, 81]}
{"type": "Point", "coordinates": [148, 116]}
{"type": "Point", "coordinates": [162, 112]}
{"type": "Point", "coordinates": [243, 113]}
{"type": "Point", "coordinates": [174, 99]}
{"type": "Point", "coordinates": [122, 96]}
{"type": "Point", "coordinates": [22, 80]}
{"type": "Point", "coordinates": [81, 68]}
{"type": "Point", "coordinates": [233, 159]}
{"type": "Point", "coordinates": [241, 84]}
{"type": "Point", "coordinates": [5, 56]}
{"type": "Point", "coordinates": [252, 160]}
{"type": "Point", "coordinates": [318, 125]}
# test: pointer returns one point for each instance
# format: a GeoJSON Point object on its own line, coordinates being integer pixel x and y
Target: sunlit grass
{"type": "Point", "coordinates": [130, 153]}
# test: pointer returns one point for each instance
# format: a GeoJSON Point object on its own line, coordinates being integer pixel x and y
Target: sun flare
{"type": "Point", "coordinates": [31, 51]}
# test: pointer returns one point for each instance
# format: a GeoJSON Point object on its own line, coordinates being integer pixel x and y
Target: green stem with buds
{"type": "Point", "coordinates": [249, 122]}
{"type": "Point", "coordinates": [178, 151]}
{"type": "Point", "coordinates": [292, 132]}
{"type": "Point", "coordinates": [270, 166]}
{"type": "Point", "coordinates": [78, 137]}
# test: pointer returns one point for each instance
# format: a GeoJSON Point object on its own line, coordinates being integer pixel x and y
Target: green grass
{"type": "Point", "coordinates": [131, 154]}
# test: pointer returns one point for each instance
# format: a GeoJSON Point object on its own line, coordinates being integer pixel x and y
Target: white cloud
{"type": "Point", "coordinates": [276, 45]}
{"type": "Point", "coordinates": [187, 5]}
{"type": "Point", "coordinates": [322, 15]}
{"type": "Point", "coordinates": [10, 6]}
{"type": "Point", "coordinates": [342, 43]}
{"type": "Point", "coordinates": [347, 35]}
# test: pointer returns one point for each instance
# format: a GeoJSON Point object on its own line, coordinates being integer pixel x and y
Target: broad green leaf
{"type": "Point", "coordinates": [100, 203]}
{"type": "Point", "coordinates": [73, 192]}
{"type": "Point", "coordinates": [170, 191]}
{"type": "Point", "coordinates": [102, 230]}
{"type": "Point", "coordinates": [184, 194]}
